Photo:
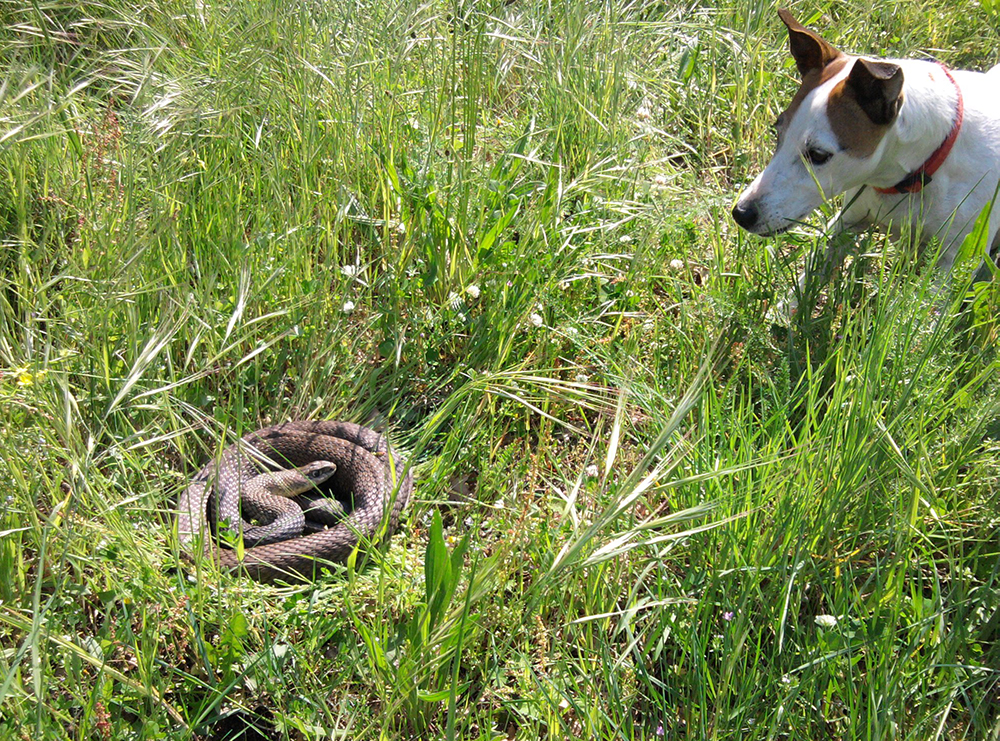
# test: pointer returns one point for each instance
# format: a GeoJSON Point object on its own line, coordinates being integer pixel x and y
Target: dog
{"type": "Point", "coordinates": [913, 144]}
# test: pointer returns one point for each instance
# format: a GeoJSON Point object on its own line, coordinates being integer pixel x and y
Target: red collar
{"type": "Point", "coordinates": [920, 177]}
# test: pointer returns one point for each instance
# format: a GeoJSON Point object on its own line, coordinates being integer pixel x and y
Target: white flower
{"type": "Point", "coordinates": [676, 265]}
{"type": "Point", "coordinates": [826, 621]}
{"type": "Point", "coordinates": [473, 291]}
{"type": "Point", "coordinates": [592, 470]}
{"type": "Point", "coordinates": [625, 238]}
{"type": "Point", "coordinates": [660, 180]}
{"type": "Point", "coordinates": [348, 307]}
{"type": "Point", "coordinates": [537, 320]}
{"type": "Point", "coordinates": [350, 270]}
{"type": "Point", "coordinates": [643, 113]}
{"type": "Point", "coordinates": [582, 378]}
{"type": "Point", "coordinates": [572, 331]}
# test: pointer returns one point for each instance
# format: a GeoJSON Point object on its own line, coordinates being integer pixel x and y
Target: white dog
{"type": "Point", "coordinates": [914, 144]}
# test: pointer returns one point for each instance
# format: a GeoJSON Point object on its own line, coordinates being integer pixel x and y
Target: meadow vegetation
{"type": "Point", "coordinates": [499, 229]}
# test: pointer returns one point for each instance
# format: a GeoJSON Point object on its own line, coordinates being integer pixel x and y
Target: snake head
{"type": "Point", "coordinates": [318, 471]}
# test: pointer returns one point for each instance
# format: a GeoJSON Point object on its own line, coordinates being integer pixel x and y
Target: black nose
{"type": "Point", "coordinates": [745, 214]}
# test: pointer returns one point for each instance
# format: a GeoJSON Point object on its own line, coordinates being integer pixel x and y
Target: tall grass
{"type": "Point", "coordinates": [499, 230]}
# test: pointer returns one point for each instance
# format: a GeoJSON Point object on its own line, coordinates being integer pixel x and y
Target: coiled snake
{"type": "Point", "coordinates": [369, 478]}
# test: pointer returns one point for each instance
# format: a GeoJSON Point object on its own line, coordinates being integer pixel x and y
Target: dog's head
{"type": "Point", "coordinates": [829, 137]}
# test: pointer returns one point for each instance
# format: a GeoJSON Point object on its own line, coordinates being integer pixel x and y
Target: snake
{"type": "Point", "coordinates": [350, 462]}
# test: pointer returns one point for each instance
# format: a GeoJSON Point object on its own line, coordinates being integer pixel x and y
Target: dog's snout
{"type": "Point", "coordinates": [745, 214]}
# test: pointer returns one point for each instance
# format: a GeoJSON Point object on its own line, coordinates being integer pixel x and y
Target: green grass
{"type": "Point", "coordinates": [636, 501]}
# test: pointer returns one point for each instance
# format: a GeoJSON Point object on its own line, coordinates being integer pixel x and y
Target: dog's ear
{"type": "Point", "coordinates": [809, 50]}
{"type": "Point", "coordinates": [878, 88]}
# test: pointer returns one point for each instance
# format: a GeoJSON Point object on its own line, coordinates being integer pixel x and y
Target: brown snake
{"type": "Point", "coordinates": [369, 476]}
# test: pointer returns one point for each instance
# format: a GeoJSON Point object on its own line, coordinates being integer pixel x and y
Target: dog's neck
{"type": "Point", "coordinates": [925, 119]}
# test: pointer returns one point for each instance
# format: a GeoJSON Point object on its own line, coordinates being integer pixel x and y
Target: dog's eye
{"type": "Point", "coordinates": [817, 156]}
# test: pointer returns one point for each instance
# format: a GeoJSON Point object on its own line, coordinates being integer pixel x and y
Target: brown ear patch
{"type": "Point", "coordinates": [854, 128]}
{"type": "Point", "coordinates": [878, 88]}
{"type": "Point", "coordinates": [810, 51]}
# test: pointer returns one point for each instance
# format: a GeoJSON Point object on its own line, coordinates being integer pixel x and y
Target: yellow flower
{"type": "Point", "coordinates": [24, 378]}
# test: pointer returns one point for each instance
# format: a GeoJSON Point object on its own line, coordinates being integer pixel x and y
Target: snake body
{"type": "Point", "coordinates": [286, 502]}
{"type": "Point", "coordinates": [369, 477]}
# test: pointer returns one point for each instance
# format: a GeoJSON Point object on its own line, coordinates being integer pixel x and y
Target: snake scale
{"type": "Point", "coordinates": [369, 477]}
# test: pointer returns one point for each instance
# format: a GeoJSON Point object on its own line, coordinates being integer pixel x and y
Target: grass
{"type": "Point", "coordinates": [501, 230]}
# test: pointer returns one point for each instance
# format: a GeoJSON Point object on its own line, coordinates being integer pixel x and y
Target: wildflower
{"type": "Point", "coordinates": [676, 265]}
{"type": "Point", "coordinates": [581, 378]}
{"type": "Point", "coordinates": [592, 471]}
{"type": "Point", "coordinates": [348, 307]}
{"type": "Point", "coordinates": [24, 378]}
{"type": "Point", "coordinates": [826, 621]}
{"type": "Point", "coordinates": [351, 271]}
{"type": "Point", "coordinates": [473, 291]}
{"type": "Point", "coordinates": [728, 616]}
{"type": "Point", "coordinates": [659, 730]}
{"type": "Point", "coordinates": [660, 180]}
{"type": "Point", "coordinates": [625, 238]}
{"type": "Point", "coordinates": [643, 113]}
{"type": "Point", "coordinates": [536, 319]}
{"type": "Point", "coordinates": [572, 331]}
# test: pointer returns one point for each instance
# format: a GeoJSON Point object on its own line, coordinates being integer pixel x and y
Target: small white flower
{"type": "Point", "coordinates": [676, 265]}
{"type": "Point", "coordinates": [643, 113]}
{"type": "Point", "coordinates": [473, 291]}
{"type": "Point", "coordinates": [536, 319]}
{"type": "Point", "coordinates": [401, 228]}
{"type": "Point", "coordinates": [826, 621]}
{"type": "Point", "coordinates": [592, 470]}
{"type": "Point", "coordinates": [348, 307]}
{"type": "Point", "coordinates": [572, 331]}
{"type": "Point", "coordinates": [350, 271]}
{"type": "Point", "coordinates": [660, 180]}
{"type": "Point", "coordinates": [582, 378]}
{"type": "Point", "coordinates": [625, 238]}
